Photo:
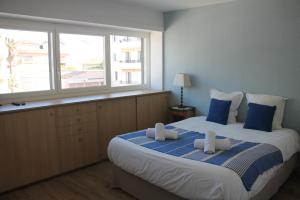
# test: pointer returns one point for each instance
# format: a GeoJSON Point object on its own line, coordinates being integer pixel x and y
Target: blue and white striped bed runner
{"type": "Point", "coordinates": [247, 159]}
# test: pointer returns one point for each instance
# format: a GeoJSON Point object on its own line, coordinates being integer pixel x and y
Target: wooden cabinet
{"type": "Point", "coordinates": [78, 150]}
{"type": "Point", "coordinates": [78, 137]}
{"type": "Point", "coordinates": [177, 113]}
{"type": "Point", "coordinates": [76, 109]}
{"type": "Point", "coordinates": [40, 143]}
{"type": "Point", "coordinates": [43, 143]}
{"type": "Point", "coordinates": [151, 109]}
{"type": "Point", "coordinates": [115, 117]}
{"type": "Point", "coordinates": [28, 147]}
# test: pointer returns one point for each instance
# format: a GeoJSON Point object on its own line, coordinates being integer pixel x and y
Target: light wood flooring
{"type": "Point", "coordinates": [93, 183]}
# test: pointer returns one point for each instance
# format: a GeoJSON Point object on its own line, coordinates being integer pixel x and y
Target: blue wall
{"type": "Point", "coordinates": [247, 45]}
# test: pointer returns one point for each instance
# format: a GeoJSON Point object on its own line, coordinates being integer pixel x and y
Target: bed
{"type": "Point", "coordinates": [148, 174]}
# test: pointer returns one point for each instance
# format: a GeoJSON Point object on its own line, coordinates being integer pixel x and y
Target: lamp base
{"type": "Point", "coordinates": [181, 106]}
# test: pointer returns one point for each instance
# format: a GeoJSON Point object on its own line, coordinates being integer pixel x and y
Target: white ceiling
{"type": "Point", "coordinates": [169, 5]}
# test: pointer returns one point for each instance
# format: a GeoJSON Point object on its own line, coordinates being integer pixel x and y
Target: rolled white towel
{"type": "Point", "coordinates": [159, 132]}
{"type": "Point", "coordinates": [169, 134]}
{"type": "Point", "coordinates": [150, 133]}
{"type": "Point", "coordinates": [199, 143]}
{"type": "Point", "coordinates": [210, 142]}
{"type": "Point", "coordinates": [221, 144]}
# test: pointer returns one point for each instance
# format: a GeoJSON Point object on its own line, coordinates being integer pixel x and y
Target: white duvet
{"type": "Point", "coordinates": [198, 180]}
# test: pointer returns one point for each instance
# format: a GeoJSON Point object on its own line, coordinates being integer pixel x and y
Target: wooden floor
{"type": "Point", "coordinates": [93, 183]}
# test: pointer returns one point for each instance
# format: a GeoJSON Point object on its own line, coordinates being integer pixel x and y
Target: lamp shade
{"type": "Point", "coordinates": [182, 80]}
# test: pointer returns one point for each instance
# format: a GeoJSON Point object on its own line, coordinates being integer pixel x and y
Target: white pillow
{"type": "Point", "coordinates": [270, 100]}
{"type": "Point", "coordinates": [235, 98]}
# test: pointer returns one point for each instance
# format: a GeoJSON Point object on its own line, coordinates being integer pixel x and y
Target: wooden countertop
{"type": "Point", "coordinates": [73, 100]}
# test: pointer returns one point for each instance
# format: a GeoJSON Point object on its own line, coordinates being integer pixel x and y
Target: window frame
{"type": "Point", "coordinates": [54, 29]}
{"type": "Point", "coordinates": [58, 67]}
{"type": "Point", "coordinates": [12, 25]}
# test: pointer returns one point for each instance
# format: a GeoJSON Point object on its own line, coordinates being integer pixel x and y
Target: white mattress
{"type": "Point", "coordinates": [198, 180]}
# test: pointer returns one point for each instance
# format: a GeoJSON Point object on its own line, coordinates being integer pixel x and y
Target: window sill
{"type": "Point", "coordinates": [73, 100]}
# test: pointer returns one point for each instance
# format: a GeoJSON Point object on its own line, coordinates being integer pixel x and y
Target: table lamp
{"type": "Point", "coordinates": [182, 80]}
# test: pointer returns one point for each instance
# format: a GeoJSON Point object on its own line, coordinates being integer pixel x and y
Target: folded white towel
{"type": "Point", "coordinates": [210, 142]}
{"type": "Point", "coordinates": [159, 132]}
{"type": "Point", "coordinates": [221, 144]}
{"type": "Point", "coordinates": [169, 134]}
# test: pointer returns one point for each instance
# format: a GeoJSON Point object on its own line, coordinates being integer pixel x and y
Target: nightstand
{"type": "Point", "coordinates": [178, 113]}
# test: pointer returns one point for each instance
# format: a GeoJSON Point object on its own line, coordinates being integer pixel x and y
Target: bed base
{"type": "Point", "coordinates": [144, 190]}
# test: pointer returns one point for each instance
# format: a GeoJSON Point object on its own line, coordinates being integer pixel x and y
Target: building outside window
{"type": "Point", "coordinates": [128, 77]}
{"type": "Point", "coordinates": [81, 61]}
{"type": "Point", "coordinates": [24, 61]}
{"type": "Point", "coordinates": [127, 57]}
{"type": "Point", "coordinates": [128, 63]}
{"type": "Point", "coordinates": [116, 75]}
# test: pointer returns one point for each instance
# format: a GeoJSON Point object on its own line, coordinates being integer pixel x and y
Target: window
{"type": "Point", "coordinates": [24, 61]}
{"type": "Point", "coordinates": [139, 56]}
{"type": "Point", "coordinates": [114, 57]}
{"type": "Point", "coordinates": [116, 76]}
{"type": "Point", "coordinates": [81, 61]}
{"type": "Point", "coordinates": [127, 62]}
{"type": "Point", "coordinates": [39, 59]}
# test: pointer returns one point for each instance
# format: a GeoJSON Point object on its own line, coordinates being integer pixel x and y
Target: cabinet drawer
{"type": "Point", "coordinates": [76, 119]}
{"type": "Point", "coordinates": [76, 109]}
{"type": "Point", "coordinates": [75, 129]}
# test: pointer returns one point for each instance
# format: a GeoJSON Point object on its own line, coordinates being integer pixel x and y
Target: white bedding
{"type": "Point", "coordinates": [198, 180]}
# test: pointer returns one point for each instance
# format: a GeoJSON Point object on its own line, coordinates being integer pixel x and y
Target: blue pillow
{"type": "Point", "coordinates": [260, 117]}
{"type": "Point", "coordinates": [218, 111]}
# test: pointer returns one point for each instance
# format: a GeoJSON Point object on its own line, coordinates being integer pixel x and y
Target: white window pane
{"type": "Point", "coordinates": [81, 61]}
{"type": "Point", "coordinates": [24, 61]}
{"type": "Point", "coordinates": [126, 66]}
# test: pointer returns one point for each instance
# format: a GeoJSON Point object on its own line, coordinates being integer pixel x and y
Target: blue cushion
{"type": "Point", "coordinates": [218, 111]}
{"type": "Point", "coordinates": [260, 117]}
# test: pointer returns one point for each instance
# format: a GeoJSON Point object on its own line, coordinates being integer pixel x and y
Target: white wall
{"type": "Point", "coordinates": [156, 59]}
{"type": "Point", "coordinates": [93, 11]}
